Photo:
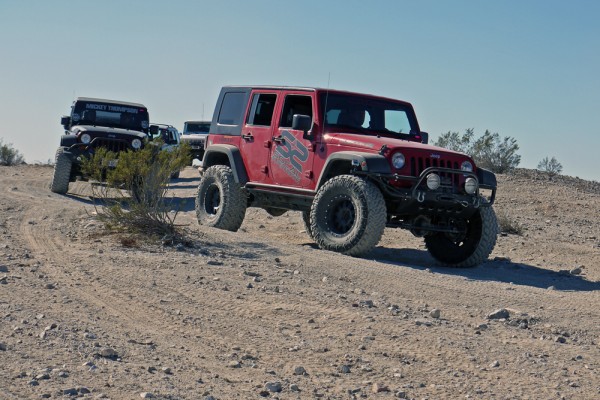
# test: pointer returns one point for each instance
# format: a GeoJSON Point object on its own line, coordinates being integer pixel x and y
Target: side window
{"type": "Point", "coordinates": [295, 104]}
{"type": "Point", "coordinates": [231, 108]}
{"type": "Point", "coordinates": [261, 112]}
{"type": "Point", "coordinates": [396, 121]}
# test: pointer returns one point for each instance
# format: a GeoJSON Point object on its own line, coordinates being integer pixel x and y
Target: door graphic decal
{"type": "Point", "coordinates": [290, 155]}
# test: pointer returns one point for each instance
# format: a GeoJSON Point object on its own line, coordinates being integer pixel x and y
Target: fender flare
{"type": "Point", "coordinates": [215, 154]}
{"type": "Point", "coordinates": [366, 162]}
{"type": "Point", "coordinates": [68, 140]}
{"type": "Point", "coordinates": [487, 179]}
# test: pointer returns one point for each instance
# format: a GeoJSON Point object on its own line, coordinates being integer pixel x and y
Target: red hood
{"type": "Point", "coordinates": [374, 143]}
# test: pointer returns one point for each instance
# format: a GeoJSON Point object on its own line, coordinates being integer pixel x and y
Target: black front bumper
{"type": "Point", "coordinates": [450, 198]}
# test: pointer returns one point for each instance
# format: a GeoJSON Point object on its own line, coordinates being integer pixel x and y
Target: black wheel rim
{"type": "Point", "coordinates": [341, 216]}
{"type": "Point", "coordinates": [212, 200]}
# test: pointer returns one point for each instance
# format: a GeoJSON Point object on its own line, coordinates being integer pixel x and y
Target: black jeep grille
{"type": "Point", "coordinates": [111, 145]}
{"type": "Point", "coordinates": [419, 164]}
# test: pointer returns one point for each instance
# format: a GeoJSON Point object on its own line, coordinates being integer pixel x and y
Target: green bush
{"type": "Point", "coordinates": [134, 193]}
{"type": "Point", "coordinates": [550, 166]}
{"type": "Point", "coordinates": [9, 155]}
{"type": "Point", "coordinates": [489, 151]}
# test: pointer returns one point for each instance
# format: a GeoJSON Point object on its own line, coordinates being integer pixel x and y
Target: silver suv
{"type": "Point", "coordinates": [195, 134]}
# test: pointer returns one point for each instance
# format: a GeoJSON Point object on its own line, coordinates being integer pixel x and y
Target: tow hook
{"type": "Point", "coordinates": [421, 197]}
{"type": "Point", "coordinates": [463, 203]}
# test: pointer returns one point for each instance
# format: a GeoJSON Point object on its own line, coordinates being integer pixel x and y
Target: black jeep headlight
{"type": "Point", "coordinates": [136, 144]}
{"type": "Point", "coordinates": [398, 160]}
{"type": "Point", "coordinates": [85, 138]}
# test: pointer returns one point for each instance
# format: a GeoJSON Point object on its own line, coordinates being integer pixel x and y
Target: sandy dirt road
{"type": "Point", "coordinates": [263, 313]}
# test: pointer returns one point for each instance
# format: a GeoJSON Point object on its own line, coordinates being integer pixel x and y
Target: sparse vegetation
{"type": "Point", "coordinates": [9, 155]}
{"type": "Point", "coordinates": [489, 151]}
{"type": "Point", "coordinates": [134, 197]}
{"type": "Point", "coordinates": [508, 224]}
{"type": "Point", "coordinates": [551, 166]}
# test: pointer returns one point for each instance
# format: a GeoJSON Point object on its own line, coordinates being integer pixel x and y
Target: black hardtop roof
{"type": "Point", "coordinates": [162, 125]}
{"type": "Point", "coordinates": [310, 89]}
{"type": "Point", "coordinates": [115, 102]}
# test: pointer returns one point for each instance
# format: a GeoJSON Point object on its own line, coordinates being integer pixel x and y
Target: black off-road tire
{"type": "Point", "coordinates": [306, 221]}
{"type": "Point", "coordinates": [220, 202]}
{"type": "Point", "coordinates": [470, 249]}
{"type": "Point", "coordinates": [348, 215]}
{"type": "Point", "coordinates": [62, 172]}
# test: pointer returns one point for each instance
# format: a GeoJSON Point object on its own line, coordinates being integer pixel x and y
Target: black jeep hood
{"type": "Point", "coordinates": [104, 131]}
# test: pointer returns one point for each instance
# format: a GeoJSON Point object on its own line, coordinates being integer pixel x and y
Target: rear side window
{"type": "Point", "coordinates": [295, 104]}
{"type": "Point", "coordinates": [231, 108]}
{"type": "Point", "coordinates": [261, 112]}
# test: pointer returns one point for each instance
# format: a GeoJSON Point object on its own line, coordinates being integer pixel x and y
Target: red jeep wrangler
{"type": "Point", "coordinates": [352, 163]}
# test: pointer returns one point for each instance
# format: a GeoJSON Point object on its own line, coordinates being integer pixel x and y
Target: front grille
{"type": "Point", "coordinates": [115, 146]}
{"type": "Point", "coordinates": [419, 164]}
{"type": "Point", "coordinates": [195, 142]}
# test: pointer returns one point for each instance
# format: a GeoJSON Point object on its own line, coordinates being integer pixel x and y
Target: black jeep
{"type": "Point", "coordinates": [97, 123]}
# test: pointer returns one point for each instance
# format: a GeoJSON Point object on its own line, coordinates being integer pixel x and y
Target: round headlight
{"type": "Point", "coordinates": [471, 185]}
{"type": "Point", "coordinates": [85, 138]}
{"type": "Point", "coordinates": [136, 143]}
{"type": "Point", "coordinates": [398, 160]}
{"type": "Point", "coordinates": [466, 166]}
{"type": "Point", "coordinates": [433, 181]}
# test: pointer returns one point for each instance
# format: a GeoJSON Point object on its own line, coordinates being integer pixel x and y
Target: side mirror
{"type": "Point", "coordinates": [302, 123]}
{"type": "Point", "coordinates": [65, 121]}
{"type": "Point", "coordinates": [153, 130]}
{"type": "Point", "coordinates": [424, 137]}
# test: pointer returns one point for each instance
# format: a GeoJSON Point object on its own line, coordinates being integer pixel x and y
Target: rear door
{"type": "Point", "coordinates": [291, 155]}
{"type": "Point", "coordinates": [257, 133]}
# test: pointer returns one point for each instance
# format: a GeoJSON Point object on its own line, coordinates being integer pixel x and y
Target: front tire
{"type": "Point", "coordinates": [62, 172]}
{"type": "Point", "coordinates": [220, 202]}
{"type": "Point", "coordinates": [468, 249]}
{"type": "Point", "coordinates": [348, 215]}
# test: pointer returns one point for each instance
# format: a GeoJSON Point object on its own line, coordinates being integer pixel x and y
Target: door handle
{"type": "Point", "coordinates": [279, 139]}
{"type": "Point", "coordinates": [248, 137]}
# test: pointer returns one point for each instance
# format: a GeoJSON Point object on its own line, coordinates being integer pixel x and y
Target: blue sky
{"type": "Point", "coordinates": [526, 69]}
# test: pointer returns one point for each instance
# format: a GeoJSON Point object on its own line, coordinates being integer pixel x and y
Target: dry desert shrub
{"type": "Point", "coordinates": [508, 224]}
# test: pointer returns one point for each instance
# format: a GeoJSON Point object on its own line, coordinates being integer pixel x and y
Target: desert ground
{"type": "Point", "coordinates": [263, 313]}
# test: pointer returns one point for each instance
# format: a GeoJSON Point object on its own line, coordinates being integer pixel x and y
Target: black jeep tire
{"type": "Point", "coordinates": [62, 172]}
{"type": "Point", "coordinates": [469, 249]}
{"type": "Point", "coordinates": [220, 202]}
{"type": "Point", "coordinates": [306, 221]}
{"type": "Point", "coordinates": [348, 215]}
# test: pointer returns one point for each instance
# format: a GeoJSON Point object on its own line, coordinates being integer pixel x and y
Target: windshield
{"type": "Point", "coordinates": [364, 114]}
{"type": "Point", "coordinates": [203, 127]}
{"type": "Point", "coordinates": [110, 115]}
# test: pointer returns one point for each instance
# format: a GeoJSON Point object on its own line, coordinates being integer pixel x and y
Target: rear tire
{"type": "Point", "coordinates": [348, 215]}
{"type": "Point", "coordinates": [220, 202]}
{"type": "Point", "coordinates": [306, 221]}
{"type": "Point", "coordinates": [62, 172]}
{"type": "Point", "coordinates": [469, 249]}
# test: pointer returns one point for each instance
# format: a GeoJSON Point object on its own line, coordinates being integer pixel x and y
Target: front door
{"type": "Point", "coordinates": [292, 155]}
